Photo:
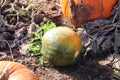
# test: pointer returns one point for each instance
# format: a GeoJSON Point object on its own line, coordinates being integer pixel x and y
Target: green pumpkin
{"type": "Point", "coordinates": [61, 46]}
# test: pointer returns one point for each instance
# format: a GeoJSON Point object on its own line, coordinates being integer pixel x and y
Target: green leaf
{"type": "Point", "coordinates": [46, 27]}
{"type": "Point", "coordinates": [29, 7]}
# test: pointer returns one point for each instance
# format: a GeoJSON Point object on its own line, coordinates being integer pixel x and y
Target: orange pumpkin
{"type": "Point", "coordinates": [15, 71]}
{"type": "Point", "coordinates": [81, 11]}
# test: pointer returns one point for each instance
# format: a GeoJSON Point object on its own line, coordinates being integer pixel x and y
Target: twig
{"type": "Point", "coordinates": [114, 18]}
{"type": "Point", "coordinates": [9, 48]}
{"type": "Point", "coordinates": [4, 2]}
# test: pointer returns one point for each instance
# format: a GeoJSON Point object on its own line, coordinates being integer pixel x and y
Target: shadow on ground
{"type": "Point", "coordinates": [89, 69]}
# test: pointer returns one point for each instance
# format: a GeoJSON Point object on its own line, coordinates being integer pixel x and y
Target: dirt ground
{"type": "Point", "coordinates": [101, 61]}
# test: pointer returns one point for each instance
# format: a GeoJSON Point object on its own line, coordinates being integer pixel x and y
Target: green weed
{"type": "Point", "coordinates": [36, 41]}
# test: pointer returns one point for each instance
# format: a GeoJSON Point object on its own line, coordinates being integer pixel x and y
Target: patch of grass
{"type": "Point", "coordinates": [36, 41]}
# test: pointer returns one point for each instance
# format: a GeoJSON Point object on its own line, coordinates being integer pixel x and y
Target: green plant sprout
{"type": "Point", "coordinates": [116, 74]}
{"type": "Point", "coordinates": [36, 41]}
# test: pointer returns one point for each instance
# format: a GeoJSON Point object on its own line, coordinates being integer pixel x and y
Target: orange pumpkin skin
{"type": "Point", "coordinates": [81, 11]}
{"type": "Point", "coordinates": [17, 71]}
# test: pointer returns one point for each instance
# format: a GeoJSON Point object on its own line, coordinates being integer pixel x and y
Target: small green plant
{"type": "Point", "coordinates": [36, 45]}
{"type": "Point", "coordinates": [116, 75]}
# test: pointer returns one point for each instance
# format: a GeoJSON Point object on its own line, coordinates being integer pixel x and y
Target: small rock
{"type": "Point", "coordinates": [24, 48]}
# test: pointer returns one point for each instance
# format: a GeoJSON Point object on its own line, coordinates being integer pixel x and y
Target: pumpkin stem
{"type": "Point", "coordinates": [78, 10]}
{"type": "Point", "coordinates": [4, 75]}
{"type": "Point", "coordinates": [5, 72]}
{"type": "Point", "coordinates": [73, 9]}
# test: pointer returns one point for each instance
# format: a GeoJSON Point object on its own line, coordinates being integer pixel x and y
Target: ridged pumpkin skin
{"type": "Point", "coordinates": [80, 11]}
{"type": "Point", "coordinates": [17, 71]}
{"type": "Point", "coordinates": [61, 46]}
